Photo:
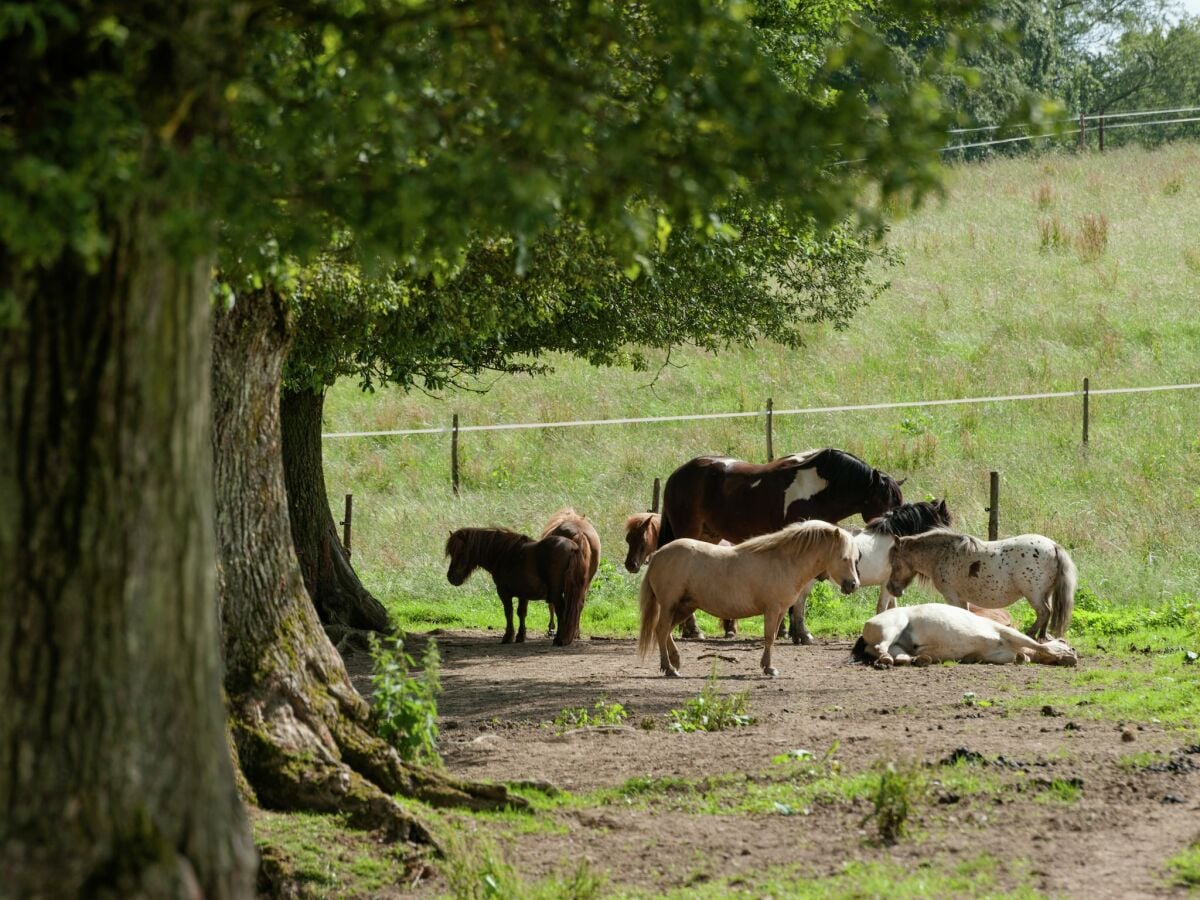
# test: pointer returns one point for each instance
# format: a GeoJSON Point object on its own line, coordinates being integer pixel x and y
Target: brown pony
{"type": "Point", "coordinates": [551, 569]}
{"type": "Point", "coordinates": [759, 577]}
{"type": "Point", "coordinates": [641, 534]}
{"type": "Point", "coordinates": [569, 524]}
{"type": "Point", "coordinates": [735, 500]}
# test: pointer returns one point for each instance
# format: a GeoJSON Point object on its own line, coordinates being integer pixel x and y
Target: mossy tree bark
{"type": "Point", "coordinates": [336, 591]}
{"type": "Point", "coordinates": [301, 731]}
{"type": "Point", "coordinates": [115, 778]}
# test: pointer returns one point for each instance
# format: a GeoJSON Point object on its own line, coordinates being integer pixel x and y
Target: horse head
{"type": "Point", "coordinates": [882, 495]}
{"type": "Point", "coordinates": [902, 572]}
{"type": "Point", "coordinates": [462, 563]}
{"type": "Point", "coordinates": [641, 534]}
{"type": "Point", "coordinates": [842, 562]}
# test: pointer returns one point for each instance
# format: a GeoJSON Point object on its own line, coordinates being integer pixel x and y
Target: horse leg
{"type": "Point", "coordinates": [550, 627]}
{"type": "Point", "coordinates": [668, 653]}
{"type": "Point", "coordinates": [690, 630]}
{"type": "Point", "coordinates": [880, 639]}
{"type": "Point", "coordinates": [798, 628]}
{"type": "Point", "coordinates": [771, 620]}
{"type": "Point", "coordinates": [1041, 605]}
{"type": "Point", "coordinates": [886, 600]}
{"type": "Point", "coordinates": [730, 626]}
{"type": "Point", "coordinates": [522, 608]}
{"type": "Point", "coordinates": [508, 625]}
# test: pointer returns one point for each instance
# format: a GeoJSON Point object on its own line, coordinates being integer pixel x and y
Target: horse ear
{"type": "Point", "coordinates": [901, 481]}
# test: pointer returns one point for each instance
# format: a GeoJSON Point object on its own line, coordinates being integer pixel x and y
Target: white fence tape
{"type": "Point", "coordinates": [641, 420]}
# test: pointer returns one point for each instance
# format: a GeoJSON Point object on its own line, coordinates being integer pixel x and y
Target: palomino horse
{"type": "Point", "coordinates": [991, 574]}
{"type": "Point", "coordinates": [737, 500]}
{"type": "Point", "coordinates": [873, 544]}
{"type": "Point", "coordinates": [551, 569]}
{"type": "Point", "coordinates": [569, 524]}
{"type": "Point", "coordinates": [759, 577]}
{"type": "Point", "coordinates": [934, 632]}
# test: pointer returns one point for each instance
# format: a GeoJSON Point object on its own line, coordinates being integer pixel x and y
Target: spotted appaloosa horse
{"type": "Point", "coordinates": [736, 500]}
{"type": "Point", "coordinates": [991, 574]}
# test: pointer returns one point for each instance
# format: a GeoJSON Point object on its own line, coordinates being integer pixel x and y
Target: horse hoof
{"type": "Point", "coordinates": [730, 634]}
{"type": "Point", "coordinates": [671, 673]}
{"type": "Point", "coordinates": [807, 639]}
{"type": "Point", "coordinates": [507, 639]}
{"type": "Point", "coordinates": [884, 662]}
{"type": "Point", "coordinates": [922, 661]}
{"type": "Point", "coordinates": [770, 671]}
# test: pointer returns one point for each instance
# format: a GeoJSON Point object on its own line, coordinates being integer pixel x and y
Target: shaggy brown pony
{"type": "Point", "coordinates": [569, 524]}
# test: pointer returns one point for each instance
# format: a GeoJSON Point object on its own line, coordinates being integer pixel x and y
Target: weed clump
{"type": "Point", "coordinates": [602, 713]}
{"type": "Point", "coordinates": [711, 711]}
{"type": "Point", "coordinates": [404, 705]}
{"type": "Point", "coordinates": [894, 799]}
{"type": "Point", "coordinates": [1091, 241]}
{"type": "Point", "coordinates": [1053, 234]}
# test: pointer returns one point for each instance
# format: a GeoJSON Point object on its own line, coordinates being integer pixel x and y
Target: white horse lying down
{"type": "Point", "coordinates": [933, 632]}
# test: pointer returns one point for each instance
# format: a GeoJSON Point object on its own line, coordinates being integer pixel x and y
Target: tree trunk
{"type": "Point", "coordinates": [338, 595]}
{"type": "Point", "coordinates": [301, 731]}
{"type": "Point", "coordinates": [115, 778]}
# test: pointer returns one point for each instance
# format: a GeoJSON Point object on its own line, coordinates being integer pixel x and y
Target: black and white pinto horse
{"type": "Point", "coordinates": [873, 545]}
{"type": "Point", "coordinates": [715, 497]}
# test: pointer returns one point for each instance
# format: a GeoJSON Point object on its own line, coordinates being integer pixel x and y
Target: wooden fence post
{"type": "Point", "coordinates": [994, 508]}
{"type": "Point", "coordinates": [770, 436]}
{"type": "Point", "coordinates": [346, 524]}
{"type": "Point", "coordinates": [1101, 133]}
{"type": "Point", "coordinates": [1086, 397]}
{"type": "Point", "coordinates": [1082, 131]}
{"type": "Point", "coordinates": [454, 454]}
{"type": "Point", "coordinates": [654, 501]}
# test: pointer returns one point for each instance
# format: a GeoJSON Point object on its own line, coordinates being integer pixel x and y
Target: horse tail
{"type": "Point", "coordinates": [1062, 603]}
{"type": "Point", "coordinates": [575, 585]}
{"type": "Point", "coordinates": [648, 603]}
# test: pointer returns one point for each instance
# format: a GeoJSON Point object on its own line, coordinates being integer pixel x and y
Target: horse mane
{"type": "Point", "coordinates": [909, 519]}
{"type": "Point", "coordinates": [945, 537]}
{"type": "Point", "coordinates": [651, 521]}
{"type": "Point", "coordinates": [800, 536]}
{"type": "Point", "coordinates": [566, 514]}
{"type": "Point", "coordinates": [486, 543]}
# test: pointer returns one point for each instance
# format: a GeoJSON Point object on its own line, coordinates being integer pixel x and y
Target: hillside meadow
{"type": "Point", "coordinates": [1029, 275]}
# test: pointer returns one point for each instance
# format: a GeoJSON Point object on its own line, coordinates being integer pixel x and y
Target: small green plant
{"type": "Point", "coordinates": [476, 869]}
{"type": "Point", "coordinates": [602, 713]}
{"type": "Point", "coordinates": [896, 795]}
{"type": "Point", "coordinates": [710, 710]}
{"type": "Point", "coordinates": [1063, 790]}
{"type": "Point", "coordinates": [1172, 186]}
{"type": "Point", "coordinates": [1186, 865]}
{"type": "Point", "coordinates": [404, 705]}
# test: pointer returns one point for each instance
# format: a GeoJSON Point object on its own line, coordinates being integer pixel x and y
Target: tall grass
{"type": "Point", "coordinates": [975, 310]}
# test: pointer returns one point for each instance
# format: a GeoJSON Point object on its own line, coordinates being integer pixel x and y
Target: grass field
{"type": "Point", "coordinates": [1031, 275]}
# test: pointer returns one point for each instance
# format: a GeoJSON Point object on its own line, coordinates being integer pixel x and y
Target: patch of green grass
{"type": "Point", "coordinates": [711, 710]}
{"type": "Point", "coordinates": [1061, 791]}
{"type": "Point", "coordinates": [1166, 690]}
{"type": "Point", "coordinates": [1185, 866]}
{"type": "Point", "coordinates": [477, 869]}
{"type": "Point", "coordinates": [327, 856]}
{"type": "Point", "coordinates": [980, 877]}
{"type": "Point", "coordinates": [602, 713]}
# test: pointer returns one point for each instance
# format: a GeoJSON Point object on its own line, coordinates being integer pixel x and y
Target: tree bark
{"type": "Point", "coordinates": [302, 732]}
{"type": "Point", "coordinates": [115, 778]}
{"type": "Point", "coordinates": [336, 591]}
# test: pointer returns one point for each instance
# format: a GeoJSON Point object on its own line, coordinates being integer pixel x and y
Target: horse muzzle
{"type": "Point", "coordinates": [894, 589]}
{"type": "Point", "coordinates": [631, 566]}
{"type": "Point", "coordinates": [849, 585]}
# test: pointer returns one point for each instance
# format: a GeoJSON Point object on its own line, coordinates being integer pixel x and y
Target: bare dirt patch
{"type": "Point", "coordinates": [1108, 837]}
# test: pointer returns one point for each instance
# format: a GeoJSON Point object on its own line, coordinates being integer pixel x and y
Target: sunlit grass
{"type": "Point", "coordinates": [976, 310]}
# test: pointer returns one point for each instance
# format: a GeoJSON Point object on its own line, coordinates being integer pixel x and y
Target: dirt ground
{"type": "Point", "coordinates": [1112, 841]}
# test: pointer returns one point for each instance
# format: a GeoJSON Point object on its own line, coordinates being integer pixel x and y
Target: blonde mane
{"type": "Point", "coordinates": [801, 537]}
{"type": "Point", "coordinates": [945, 537]}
